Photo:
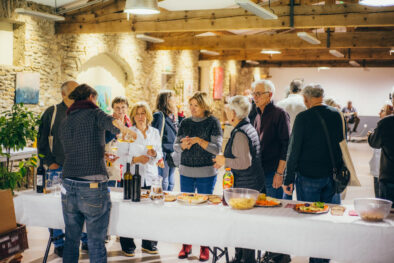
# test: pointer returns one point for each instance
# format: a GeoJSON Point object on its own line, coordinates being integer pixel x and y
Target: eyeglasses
{"type": "Point", "coordinates": [258, 94]}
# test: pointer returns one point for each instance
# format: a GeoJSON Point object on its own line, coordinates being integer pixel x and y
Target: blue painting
{"type": "Point", "coordinates": [104, 97]}
{"type": "Point", "coordinates": [27, 87]}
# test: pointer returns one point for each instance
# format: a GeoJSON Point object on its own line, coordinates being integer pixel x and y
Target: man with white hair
{"type": "Point", "coordinates": [309, 163]}
{"type": "Point", "coordinates": [273, 127]}
{"type": "Point", "coordinates": [294, 103]}
{"type": "Point", "coordinates": [50, 147]}
{"type": "Point", "coordinates": [382, 138]}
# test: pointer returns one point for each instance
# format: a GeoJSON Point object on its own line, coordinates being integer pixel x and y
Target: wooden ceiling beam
{"type": "Point", "coordinates": [278, 41]}
{"type": "Point", "coordinates": [341, 64]}
{"type": "Point", "coordinates": [304, 55]}
{"type": "Point", "coordinates": [309, 16]}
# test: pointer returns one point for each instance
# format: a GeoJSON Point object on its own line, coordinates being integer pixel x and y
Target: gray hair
{"type": "Point", "coordinates": [241, 105]}
{"type": "Point", "coordinates": [64, 87]}
{"type": "Point", "coordinates": [313, 91]}
{"type": "Point", "coordinates": [266, 83]}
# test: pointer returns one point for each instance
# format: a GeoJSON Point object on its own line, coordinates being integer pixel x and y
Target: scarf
{"type": "Point", "coordinates": [81, 104]}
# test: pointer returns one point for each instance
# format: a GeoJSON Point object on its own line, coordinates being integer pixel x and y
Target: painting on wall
{"type": "Point", "coordinates": [104, 97]}
{"type": "Point", "coordinates": [27, 87]}
{"type": "Point", "coordinates": [218, 76]}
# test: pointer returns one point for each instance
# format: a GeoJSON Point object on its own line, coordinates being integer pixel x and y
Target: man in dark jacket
{"type": "Point", "coordinates": [383, 138]}
{"type": "Point", "coordinates": [52, 149]}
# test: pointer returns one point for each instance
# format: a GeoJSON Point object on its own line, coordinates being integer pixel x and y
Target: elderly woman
{"type": "Point", "coordinates": [146, 152]}
{"type": "Point", "coordinates": [242, 155]}
{"type": "Point", "coordinates": [198, 140]}
{"type": "Point", "coordinates": [166, 122]}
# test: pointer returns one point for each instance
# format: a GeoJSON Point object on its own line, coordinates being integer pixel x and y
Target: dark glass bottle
{"type": "Point", "coordinates": [136, 185]}
{"type": "Point", "coordinates": [126, 183]}
{"type": "Point", "coordinates": [40, 184]}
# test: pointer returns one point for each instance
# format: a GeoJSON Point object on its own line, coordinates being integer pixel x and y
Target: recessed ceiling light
{"type": "Point", "coordinates": [377, 2]}
{"type": "Point", "coordinates": [149, 38]}
{"type": "Point", "coordinates": [209, 52]}
{"type": "Point", "coordinates": [270, 52]}
{"type": "Point", "coordinates": [336, 53]}
{"type": "Point", "coordinates": [354, 63]}
{"type": "Point", "coordinates": [256, 9]}
{"type": "Point", "coordinates": [308, 38]}
{"type": "Point", "coordinates": [323, 68]}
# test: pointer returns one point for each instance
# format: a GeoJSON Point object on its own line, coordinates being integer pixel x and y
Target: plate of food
{"type": "Point", "coordinates": [169, 198]}
{"type": "Point", "coordinates": [192, 199]}
{"type": "Point", "coordinates": [312, 208]}
{"type": "Point", "coordinates": [145, 194]}
{"type": "Point", "coordinates": [214, 199]}
{"type": "Point", "coordinates": [267, 201]}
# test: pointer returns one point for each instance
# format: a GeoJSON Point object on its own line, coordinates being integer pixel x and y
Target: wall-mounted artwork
{"type": "Point", "coordinates": [27, 87]}
{"type": "Point", "coordinates": [104, 97]}
{"type": "Point", "coordinates": [218, 77]}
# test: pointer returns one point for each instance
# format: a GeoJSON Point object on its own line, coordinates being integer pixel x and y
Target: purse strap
{"type": "Point", "coordinates": [52, 122]}
{"type": "Point", "coordinates": [162, 126]}
{"type": "Point", "coordinates": [323, 123]}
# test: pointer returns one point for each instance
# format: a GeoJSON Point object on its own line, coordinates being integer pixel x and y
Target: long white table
{"type": "Point", "coordinates": [343, 238]}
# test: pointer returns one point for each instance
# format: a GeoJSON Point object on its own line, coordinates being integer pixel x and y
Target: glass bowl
{"type": "Point", "coordinates": [241, 198]}
{"type": "Point", "coordinates": [372, 209]}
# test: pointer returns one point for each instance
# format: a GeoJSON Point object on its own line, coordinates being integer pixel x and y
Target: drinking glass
{"type": "Point", "coordinates": [156, 193]}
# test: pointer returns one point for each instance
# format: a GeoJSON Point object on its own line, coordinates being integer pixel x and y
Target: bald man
{"type": "Point", "coordinates": [51, 148]}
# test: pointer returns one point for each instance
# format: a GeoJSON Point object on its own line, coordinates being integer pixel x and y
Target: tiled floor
{"type": "Point", "coordinates": [361, 154]}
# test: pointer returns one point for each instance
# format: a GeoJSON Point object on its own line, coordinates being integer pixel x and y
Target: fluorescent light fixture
{"type": "Point", "coordinates": [308, 38]}
{"type": "Point", "coordinates": [206, 34]}
{"type": "Point", "coordinates": [354, 63]}
{"type": "Point", "coordinates": [270, 52]}
{"type": "Point", "coordinates": [336, 53]}
{"type": "Point", "coordinates": [252, 62]}
{"type": "Point", "coordinates": [377, 2]}
{"type": "Point", "coordinates": [149, 38]}
{"type": "Point", "coordinates": [209, 52]}
{"type": "Point", "coordinates": [141, 7]}
{"type": "Point", "coordinates": [323, 68]}
{"type": "Point", "coordinates": [256, 9]}
{"type": "Point", "coordinates": [28, 12]}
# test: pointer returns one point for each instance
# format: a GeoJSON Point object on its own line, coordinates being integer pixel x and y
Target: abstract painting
{"type": "Point", "coordinates": [27, 87]}
{"type": "Point", "coordinates": [104, 97]}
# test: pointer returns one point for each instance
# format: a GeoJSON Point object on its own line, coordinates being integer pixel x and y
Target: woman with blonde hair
{"type": "Point", "coordinates": [198, 140]}
{"type": "Point", "coordinates": [146, 152]}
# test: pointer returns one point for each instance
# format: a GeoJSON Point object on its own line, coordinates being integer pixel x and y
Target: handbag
{"type": "Point", "coordinates": [341, 174]}
{"type": "Point", "coordinates": [50, 136]}
{"type": "Point", "coordinates": [168, 157]}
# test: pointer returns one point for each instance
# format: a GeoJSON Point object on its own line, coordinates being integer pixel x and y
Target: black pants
{"type": "Point", "coordinates": [386, 191]}
{"type": "Point", "coordinates": [244, 255]}
{"type": "Point", "coordinates": [127, 243]}
{"type": "Point", "coordinates": [356, 121]}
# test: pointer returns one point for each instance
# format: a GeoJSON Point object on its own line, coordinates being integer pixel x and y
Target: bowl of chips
{"type": "Point", "coordinates": [241, 198]}
{"type": "Point", "coordinates": [372, 209]}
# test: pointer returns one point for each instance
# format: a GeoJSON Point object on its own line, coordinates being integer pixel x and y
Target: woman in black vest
{"type": "Point", "coordinates": [198, 140]}
{"type": "Point", "coordinates": [242, 155]}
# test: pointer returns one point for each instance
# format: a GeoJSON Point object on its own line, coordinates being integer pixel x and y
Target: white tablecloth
{"type": "Point", "coordinates": [25, 153]}
{"type": "Point", "coordinates": [343, 238]}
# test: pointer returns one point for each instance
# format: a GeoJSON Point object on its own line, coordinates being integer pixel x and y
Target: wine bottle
{"type": "Point", "coordinates": [136, 197]}
{"type": "Point", "coordinates": [126, 183]}
{"type": "Point", "coordinates": [40, 184]}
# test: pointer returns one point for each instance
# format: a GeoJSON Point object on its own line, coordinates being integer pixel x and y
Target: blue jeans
{"type": "Point", "coordinates": [168, 176]}
{"type": "Point", "coordinates": [81, 203]}
{"type": "Point", "coordinates": [203, 185]}
{"type": "Point", "coordinates": [113, 183]}
{"type": "Point", "coordinates": [316, 190]}
{"type": "Point", "coordinates": [270, 191]}
{"type": "Point", "coordinates": [58, 232]}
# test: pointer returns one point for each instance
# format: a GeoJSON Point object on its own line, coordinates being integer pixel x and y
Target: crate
{"type": "Point", "coordinates": [13, 242]}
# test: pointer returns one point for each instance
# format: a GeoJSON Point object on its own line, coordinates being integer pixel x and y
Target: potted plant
{"type": "Point", "coordinates": [17, 127]}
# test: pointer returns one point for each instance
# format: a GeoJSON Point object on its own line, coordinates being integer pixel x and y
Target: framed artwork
{"type": "Point", "coordinates": [27, 89]}
{"type": "Point", "coordinates": [104, 97]}
{"type": "Point", "coordinates": [218, 77]}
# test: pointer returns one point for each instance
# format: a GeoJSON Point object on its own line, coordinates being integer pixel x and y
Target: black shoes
{"type": "Point", "coordinates": [130, 252]}
{"type": "Point", "coordinates": [152, 249]}
{"type": "Point", "coordinates": [84, 247]}
{"type": "Point", "coordinates": [59, 251]}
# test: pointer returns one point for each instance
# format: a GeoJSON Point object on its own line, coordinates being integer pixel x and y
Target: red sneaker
{"type": "Point", "coordinates": [204, 253]}
{"type": "Point", "coordinates": [185, 251]}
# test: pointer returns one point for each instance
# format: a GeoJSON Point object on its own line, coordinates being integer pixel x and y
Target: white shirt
{"type": "Point", "coordinates": [293, 105]}
{"type": "Point", "coordinates": [148, 171]}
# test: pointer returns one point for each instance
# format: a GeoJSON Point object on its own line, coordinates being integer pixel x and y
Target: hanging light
{"type": "Point", "coordinates": [377, 2]}
{"type": "Point", "coordinates": [141, 7]}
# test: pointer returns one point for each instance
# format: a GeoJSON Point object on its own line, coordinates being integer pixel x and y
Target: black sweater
{"type": "Point", "coordinates": [383, 137]}
{"type": "Point", "coordinates": [308, 150]}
